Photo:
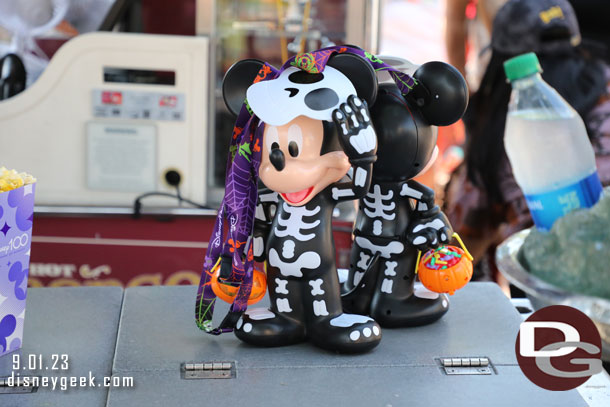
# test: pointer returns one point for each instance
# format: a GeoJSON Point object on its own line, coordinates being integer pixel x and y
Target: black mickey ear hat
{"type": "Point", "coordinates": [441, 93]}
{"type": "Point", "coordinates": [360, 72]}
{"type": "Point", "coordinates": [236, 82]}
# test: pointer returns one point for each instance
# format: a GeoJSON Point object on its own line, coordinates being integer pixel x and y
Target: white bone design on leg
{"type": "Point", "coordinates": [410, 192]}
{"type": "Point", "coordinates": [293, 225]}
{"type": "Point", "coordinates": [357, 277]}
{"type": "Point", "coordinates": [390, 268]}
{"type": "Point", "coordinates": [307, 260]}
{"type": "Point", "coordinates": [346, 320]}
{"type": "Point", "coordinates": [360, 179]}
{"type": "Point", "coordinates": [316, 287]}
{"type": "Point", "coordinates": [281, 286]}
{"type": "Point", "coordinates": [376, 208]}
{"type": "Point", "coordinates": [436, 224]}
{"type": "Point", "coordinates": [384, 251]}
{"type": "Point", "coordinates": [319, 308]}
{"type": "Point", "coordinates": [288, 249]}
{"type": "Point", "coordinates": [283, 305]}
{"type": "Point", "coordinates": [363, 263]}
{"type": "Point", "coordinates": [377, 227]}
{"type": "Point", "coordinates": [386, 286]}
{"type": "Point", "coordinates": [258, 314]}
{"type": "Point", "coordinates": [340, 193]}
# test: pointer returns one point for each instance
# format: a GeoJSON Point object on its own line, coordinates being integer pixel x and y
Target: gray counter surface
{"type": "Point", "coordinates": [80, 322]}
{"type": "Point", "coordinates": [157, 333]}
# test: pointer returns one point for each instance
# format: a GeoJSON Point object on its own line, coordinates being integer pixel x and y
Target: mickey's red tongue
{"type": "Point", "coordinates": [296, 197]}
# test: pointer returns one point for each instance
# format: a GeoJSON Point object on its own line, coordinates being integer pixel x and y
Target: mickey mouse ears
{"type": "Point", "coordinates": [236, 82]}
{"type": "Point", "coordinates": [360, 72]}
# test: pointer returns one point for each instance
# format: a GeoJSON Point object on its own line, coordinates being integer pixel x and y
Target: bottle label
{"type": "Point", "coordinates": [546, 208]}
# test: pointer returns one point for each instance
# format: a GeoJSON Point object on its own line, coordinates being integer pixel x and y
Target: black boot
{"type": "Point", "coordinates": [283, 323]}
{"type": "Point", "coordinates": [327, 326]}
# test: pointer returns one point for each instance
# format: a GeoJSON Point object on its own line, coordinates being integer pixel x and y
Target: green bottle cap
{"type": "Point", "coordinates": [522, 66]}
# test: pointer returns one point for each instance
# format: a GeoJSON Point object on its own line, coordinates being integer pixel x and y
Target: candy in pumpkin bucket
{"type": "Point", "coordinates": [445, 269]}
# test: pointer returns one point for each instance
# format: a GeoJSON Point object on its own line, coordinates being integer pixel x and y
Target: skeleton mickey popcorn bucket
{"type": "Point", "coordinates": [300, 130]}
{"type": "Point", "coordinates": [16, 213]}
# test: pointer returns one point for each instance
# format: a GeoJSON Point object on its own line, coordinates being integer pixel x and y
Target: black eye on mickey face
{"type": "Point", "coordinates": [293, 149]}
{"type": "Point", "coordinates": [295, 140]}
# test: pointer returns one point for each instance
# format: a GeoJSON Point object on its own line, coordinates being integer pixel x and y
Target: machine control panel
{"type": "Point", "coordinates": [130, 104]}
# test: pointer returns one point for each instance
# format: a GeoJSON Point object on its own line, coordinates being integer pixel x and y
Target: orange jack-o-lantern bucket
{"type": "Point", "coordinates": [446, 269]}
{"type": "Point", "coordinates": [227, 292]}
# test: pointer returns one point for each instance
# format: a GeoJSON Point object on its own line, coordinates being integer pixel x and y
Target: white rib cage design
{"type": "Point", "coordinates": [377, 208]}
{"type": "Point", "coordinates": [294, 224]}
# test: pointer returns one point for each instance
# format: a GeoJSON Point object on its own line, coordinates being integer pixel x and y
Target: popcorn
{"type": "Point", "coordinates": [11, 179]}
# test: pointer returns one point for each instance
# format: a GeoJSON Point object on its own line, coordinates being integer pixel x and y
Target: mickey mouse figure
{"type": "Point", "coordinates": [316, 127]}
{"type": "Point", "coordinates": [398, 216]}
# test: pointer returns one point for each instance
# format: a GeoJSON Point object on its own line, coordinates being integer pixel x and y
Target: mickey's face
{"type": "Point", "coordinates": [292, 163]}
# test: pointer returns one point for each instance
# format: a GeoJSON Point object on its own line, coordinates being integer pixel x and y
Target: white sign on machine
{"type": "Point", "coordinates": [121, 157]}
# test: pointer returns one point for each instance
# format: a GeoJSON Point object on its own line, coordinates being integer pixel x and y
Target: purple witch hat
{"type": "Point", "coordinates": [236, 213]}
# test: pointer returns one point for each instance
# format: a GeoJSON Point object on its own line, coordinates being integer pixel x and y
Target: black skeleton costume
{"type": "Point", "coordinates": [398, 216]}
{"type": "Point", "coordinates": [297, 240]}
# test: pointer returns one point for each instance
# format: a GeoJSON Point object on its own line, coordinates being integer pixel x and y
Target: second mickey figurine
{"type": "Point", "coordinates": [398, 215]}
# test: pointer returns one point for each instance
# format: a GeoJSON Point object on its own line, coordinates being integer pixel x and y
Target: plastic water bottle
{"type": "Point", "coordinates": [547, 145]}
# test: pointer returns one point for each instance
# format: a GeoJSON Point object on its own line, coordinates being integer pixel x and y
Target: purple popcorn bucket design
{"type": "Point", "coordinates": [16, 216]}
